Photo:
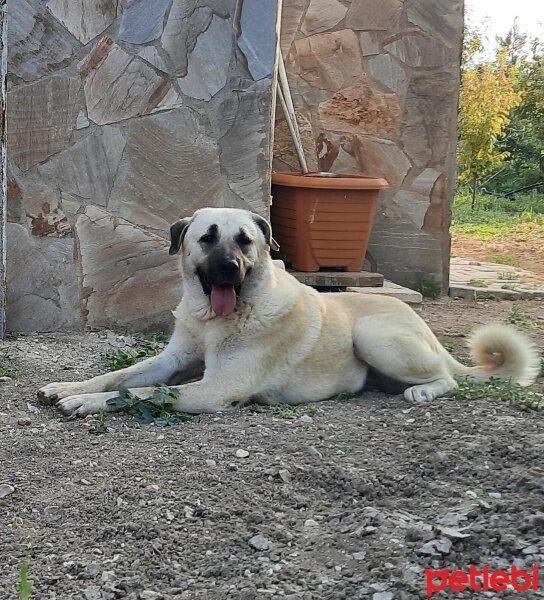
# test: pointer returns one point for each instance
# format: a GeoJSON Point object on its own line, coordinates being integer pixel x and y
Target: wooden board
{"type": "Point", "coordinates": [339, 279]}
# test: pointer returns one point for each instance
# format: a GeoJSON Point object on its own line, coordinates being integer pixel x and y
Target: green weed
{"type": "Point", "coordinates": [477, 283]}
{"type": "Point", "coordinates": [430, 288]}
{"type": "Point", "coordinates": [100, 426]}
{"type": "Point", "coordinates": [122, 359]}
{"type": "Point", "coordinates": [498, 389]}
{"type": "Point", "coordinates": [25, 584]}
{"type": "Point", "coordinates": [13, 374]}
{"type": "Point", "coordinates": [517, 317]}
{"type": "Point", "coordinates": [160, 413]}
{"type": "Point", "coordinates": [508, 276]}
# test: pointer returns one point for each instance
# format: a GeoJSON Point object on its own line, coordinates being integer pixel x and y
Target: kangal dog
{"type": "Point", "coordinates": [247, 330]}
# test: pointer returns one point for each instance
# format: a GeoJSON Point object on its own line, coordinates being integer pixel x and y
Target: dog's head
{"type": "Point", "coordinates": [221, 247]}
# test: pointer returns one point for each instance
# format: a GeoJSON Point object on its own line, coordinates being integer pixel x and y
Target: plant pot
{"type": "Point", "coordinates": [322, 220]}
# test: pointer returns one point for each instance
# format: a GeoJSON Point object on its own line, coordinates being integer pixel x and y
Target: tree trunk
{"type": "Point", "coordinates": [474, 183]}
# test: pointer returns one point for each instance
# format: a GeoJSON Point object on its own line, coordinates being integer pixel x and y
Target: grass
{"type": "Point", "coordinates": [13, 374]}
{"type": "Point", "coordinates": [25, 584]}
{"type": "Point", "coordinates": [477, 283]}
{"type": "Point", "coordinates": [503, 259]}
{"type": "Point", "coordinates": [517, 317]}
{"type": "Point", "coordinates": [121, 359]}
{"type": "Point", "coordinates": [494, 217]}
{"type": "Point", "coordinates": [508, 276]}
{"type": "Point", "coordinates": [100, 426]}
{"type": "Point", "coordinates": [159, 413]}
{"type": "Point", "coordinates": [529, 397]}
{"type": "Point", "coordinates": [284, 411]}
{"type": "Point", "coordinates": [430, 288]}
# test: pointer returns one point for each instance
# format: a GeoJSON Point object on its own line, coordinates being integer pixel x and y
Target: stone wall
{"type": "Point", "coordinates": [375, 85]}
{"type": "Point", "coordinates": [122, 117]}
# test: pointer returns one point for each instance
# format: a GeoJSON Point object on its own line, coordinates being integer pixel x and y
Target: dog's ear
{"type": "Point", "coordinates": [266, 228]}
{"type": "Point", "coordinates": [177, 233]}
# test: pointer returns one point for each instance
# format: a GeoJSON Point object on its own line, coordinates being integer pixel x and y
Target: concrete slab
{"type": "Point", "coordinates": [392, 290]}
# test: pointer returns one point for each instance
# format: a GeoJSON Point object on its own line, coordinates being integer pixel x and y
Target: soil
{"type": "Point", "coordinates": [347, 501]}
{"type": "Point", "coordinates": [527, 250]}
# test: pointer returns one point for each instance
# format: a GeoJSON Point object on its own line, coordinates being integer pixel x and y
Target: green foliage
{"type": "Point", "coordinates": [530, 397]}
{"type": "Point", "coordinates": [429, 287]}
{"type": "Point", "coordinates": [100, 426]}
{"type": "Point", "coordinates": [517, 317]}
{"type": "Point", "coordinates": [477, 283]}
{"type": "Point", "coordinates": [24, 586]}
{"type": "Point", "coordinates": [13, 374]}
{"type": "Point", "coordinates": [494, 216]}
{"type": "Point", "coordinates": [145, 411]}
{"type": "Point", "coordinates": [282, 410]}
{"type": "Point", "coordinates": [121, 359]}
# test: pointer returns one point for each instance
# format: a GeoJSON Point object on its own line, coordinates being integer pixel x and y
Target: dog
{"type": "Point", "coordinates": [246, 330]}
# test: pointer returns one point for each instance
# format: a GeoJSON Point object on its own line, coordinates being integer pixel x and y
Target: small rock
{"type": "Point", "coordinates": [6, 490]}
{"type": "Point", "coordinates": [24, 422]}
{"type": "Point", "coordinates": [85, 482]}
{"type": "Point", "coordinates": [259, 542]}
{"type": "Point", "coordinates": [169, 515]}
{"type": "Point", "coordinates": [150, 595]}
{"type": "Point", "coordinates": [285, 475]}
{"type": "Point", "coordinates": [5, 379]}
{"type": "Point", "coordinates": [108, 576]}
{"type": "Point", "coordinates": [496, 495]}
{"type": "Point", "coordinates": [359, 555]}
{"type": "Point", "coordinates": [242, 453]}
{"type": "Point", "coordinates": [452, 533]}
{"type": "Point", "coordinates": [382, 596]}
{"type": "Point", "coordinates": [92, 593]}
{"type": "Point", "coordinates": [471, 494]}
{"type": "Point", "coordinates": [533, 549]}
{"type": "Point", "coordinates": [311, 523]}
{"type": "Point", "coordinates": [82, 122]}
{"type": "Point", "coordinates": [443, 545]}
{"type": "Point", "coordinates": [314, 452]}
{"type": "Point", "coordinates": [211, 463]}
{"type": "Point", "coordinates": [306, 419]}
{"type": "Point", "coordinates": [428, 549]}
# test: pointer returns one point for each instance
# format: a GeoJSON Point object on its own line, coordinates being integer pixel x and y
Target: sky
{"type": "Point", "coordinates": [501, 15]}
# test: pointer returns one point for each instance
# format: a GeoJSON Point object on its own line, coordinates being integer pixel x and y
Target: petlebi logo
{"type": "Point", "coordinates": [482, 580]}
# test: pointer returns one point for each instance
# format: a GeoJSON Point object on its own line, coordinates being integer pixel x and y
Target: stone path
{"type": "Point", "coordinates": [484, 279]}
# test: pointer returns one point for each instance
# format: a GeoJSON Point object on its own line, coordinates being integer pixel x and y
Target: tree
{"type": "Point", "coordinates": [514, 44]}
{"type": "Point", "coordinates": [486, 99]}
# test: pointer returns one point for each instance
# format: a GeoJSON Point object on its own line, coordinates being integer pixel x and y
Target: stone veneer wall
{"type": "Point", "coordinates": [122, 117]}
{"type": "Point", "coordinates": [375, 84]}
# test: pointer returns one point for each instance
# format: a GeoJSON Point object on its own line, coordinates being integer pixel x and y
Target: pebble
{"type": "Point", "coordinates": [85, 482]}
{"type": "Point", "coordinates": [496, 495]}
{"type": "Point", "coordinates": [211, 463]}
{"type": "Point", "coordinates": [311, 523]}
{"type": "Point", "coordinates": [306, 419]}
{"type": "Point", "coordinates": [285, 475]}
{"type": "Point", "coordinates": [5, 379]}
{"type": "Point", "coordinates": [150, 595]}
{"type": "Point", "coordinates": [241, 453]}
{"type": "Point", "coordinates": [92, 593]}
{"type": "Point", "coordinates": [359, 555]}
{"type": "Point", "coordinates": [24, 422]}
{"type": "Point", "coordinates": [314, 452]}
{"type": "Point", "coordinates": [382, 596]}
{"type": "Point", "coordinates": [454, 534]}
{"type": "Point", "coordinates": [6, 490]}
{"type": "Point", "coordinates": [259, 542]}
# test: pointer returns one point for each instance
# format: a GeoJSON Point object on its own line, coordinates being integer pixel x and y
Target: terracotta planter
{"type": "Point", "coordinates": [322, 220]}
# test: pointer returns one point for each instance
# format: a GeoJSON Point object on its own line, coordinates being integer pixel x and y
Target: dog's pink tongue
{"type": "Point", "coordinates": [223, 300]}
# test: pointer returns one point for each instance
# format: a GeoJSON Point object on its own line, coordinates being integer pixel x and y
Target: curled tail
{"type": "Point", "coordinates": [503, 352]}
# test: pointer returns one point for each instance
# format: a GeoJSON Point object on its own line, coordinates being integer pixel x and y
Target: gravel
{"type": "Point", "coordinates": [340, 508]}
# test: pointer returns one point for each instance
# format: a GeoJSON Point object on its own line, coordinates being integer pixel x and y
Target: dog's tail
{"type": "Point", "coordinates": [503, 352]}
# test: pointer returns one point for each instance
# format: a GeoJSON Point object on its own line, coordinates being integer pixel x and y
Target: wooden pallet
{"type": "Point", "coordinates": [339, 279]}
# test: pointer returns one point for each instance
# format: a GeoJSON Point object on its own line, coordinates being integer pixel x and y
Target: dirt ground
{"type": "Point", "coordinates": [527, 251]}
{"type": "Point", "coordinates": [352, 502]}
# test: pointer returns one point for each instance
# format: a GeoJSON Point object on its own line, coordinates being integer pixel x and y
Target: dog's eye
{"type": "Point", "coordinates": [207, 238]}
{"type": "Point", "coordinates": [243, 239]}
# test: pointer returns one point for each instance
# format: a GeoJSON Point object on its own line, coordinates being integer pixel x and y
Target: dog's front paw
{"type": "Point", "coordinates": [420, 394]}
{"type": "Point", "coordinates": [81, 405]}
{"type": "Point", "coordinates": [52, 392]}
